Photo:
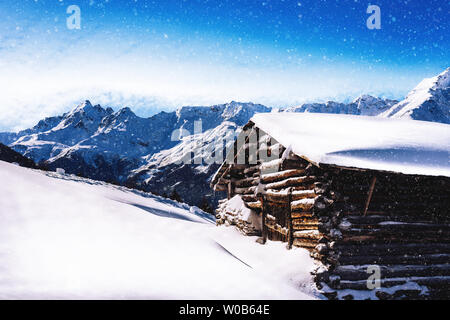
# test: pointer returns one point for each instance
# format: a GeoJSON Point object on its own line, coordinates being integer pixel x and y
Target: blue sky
{"type": "Point", "coordinates": [154, 55]}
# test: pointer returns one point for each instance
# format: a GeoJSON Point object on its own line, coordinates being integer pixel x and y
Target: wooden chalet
{"type": "Point", "coordinates": [356, 192]}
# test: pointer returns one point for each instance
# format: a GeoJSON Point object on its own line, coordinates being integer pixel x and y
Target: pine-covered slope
{"type": "Point", "coordinates": [9, 155]}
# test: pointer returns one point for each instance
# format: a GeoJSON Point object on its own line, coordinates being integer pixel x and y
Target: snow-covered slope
{"type": "Point", "coordinates": [70, 238]}
{"type": "Point", "coordinates": [429, 101]}
{"type": "Point", "coordinates": [365, 105]}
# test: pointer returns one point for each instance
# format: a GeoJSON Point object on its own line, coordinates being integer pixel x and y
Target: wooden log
{"type": "Point", "coordinates": [282, 175]}
{"type": "Point", "coordinates": [304, 243]}
{"type": "Point", "coordinates": [295, 181]}
{"type": "Point", "coordinates": [277, 204]}
{"type": "Point", "coordinates": [254, 205]}
{"type": "Point", "coordinates": [300, 225]}
{"type": "Point", "coordinates": [394, 226]}
{"type": "Point", "coordinates": [303, 204]}
{"type": "Point", "coordinates": [251, 169]}
{"type": "Point", "coordinates": [306, 219]}
{"type": "Point", "coordinates": [294, 164]}
{"type": "Point", "coordinates": [282, 195]}
{"type": "Point", "coordinates": [249, 190]}
{"type": "Point", "coordinates": [302, 214]}
{"type": "Point", "coordinates": [387, 283]}
{"type": "Point", "coordinates": [412, 231]}
{"type": "Point", "coordinates": [440, 258]}
{"type": "Point", "coordinates": [246, 182]}
{"type": "Point", "coordinates": [352, 272]}
{"type": "Point", "coordinates": [377, 218]}
{"type": "Point", "coordinates": [363, 239]}
{"type": "Point", "coordinates": [391, 248]}
{"type": "Point", "coordinates": [277, 228]}
{"type": "Point", "coordinates": [220, 187]}
{"type": "Point", "coordinates": [271, 165]}
{"type": "Point", "coordinates": [308, 234]}
{"type": "Point", "coordinates": [249, 198]}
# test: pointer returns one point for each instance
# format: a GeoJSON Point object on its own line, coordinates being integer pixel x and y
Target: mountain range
{"type": "Point", "coordinates": [163, 153]}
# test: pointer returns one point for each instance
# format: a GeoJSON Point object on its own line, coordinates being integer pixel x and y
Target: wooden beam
{"type": "Point", "coordinates": [369, 196]}
{"type": "Point", "coordinates": [263, 219]}
{"type": "Point", "coordinates": [290, 226]}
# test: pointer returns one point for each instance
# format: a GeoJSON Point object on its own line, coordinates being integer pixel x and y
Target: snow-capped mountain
{"type": "Point", "coordinates": [365, 105]}
{"type": "Point", "coordinates": [122, 147]}
{"type": "Point", "coordinates": [189, 165]}
{"type": "Point", "coordinates": [429, 101]}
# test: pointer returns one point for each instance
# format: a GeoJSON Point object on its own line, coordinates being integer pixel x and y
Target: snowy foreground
{"type": "Point", "coordinates": [71, 238]}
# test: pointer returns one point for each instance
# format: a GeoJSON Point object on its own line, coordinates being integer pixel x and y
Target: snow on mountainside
{"type": "Point", "coordinates": [73, 238]}
{"type": "Point", "coordinates": [111, 146]}
{"type": "Point", "coordinates": [365, 105]}
{"type": "Point", "coordinates": [189, 165]}
{"type": "Point", "coordinates": [429, 101]}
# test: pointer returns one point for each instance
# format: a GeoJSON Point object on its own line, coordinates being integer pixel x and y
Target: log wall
{"type": "Point", "coordinates": [405, 233]}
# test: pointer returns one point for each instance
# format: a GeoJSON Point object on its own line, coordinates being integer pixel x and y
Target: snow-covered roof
{"type": "Point", "coordinates": [405, 146]}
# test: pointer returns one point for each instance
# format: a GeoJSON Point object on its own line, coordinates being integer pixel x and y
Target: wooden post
{"type": "Point", "coordinates": [369, 196]}
{"type": "Point", "coordinates": [290, 226]}
{"type": "Point", "coordinates": [263, 219]}
{"type": "Point", "coordinates": [231, 183]}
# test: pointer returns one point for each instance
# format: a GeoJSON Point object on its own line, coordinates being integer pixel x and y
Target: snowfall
{"type": "Point", "coordinates": [66, 237]}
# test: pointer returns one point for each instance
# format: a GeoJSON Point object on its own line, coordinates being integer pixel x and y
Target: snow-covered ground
{"type": "Point", "coordinates": [66, 237]}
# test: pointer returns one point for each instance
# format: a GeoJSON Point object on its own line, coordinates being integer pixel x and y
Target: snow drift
{"type": "Point", "coordinates": [68, 238]}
